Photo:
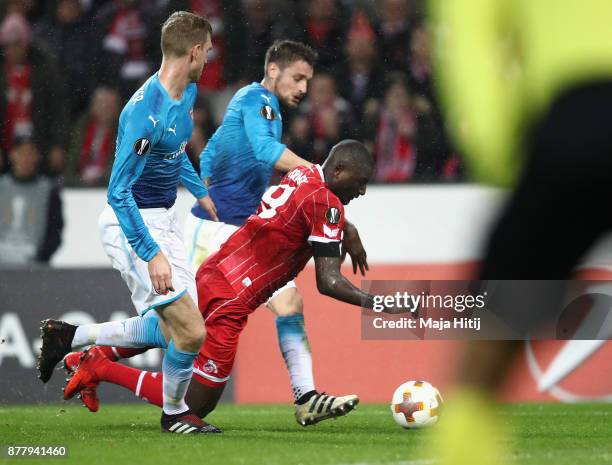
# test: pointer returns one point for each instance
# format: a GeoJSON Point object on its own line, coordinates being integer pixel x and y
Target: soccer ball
{"type": "Point", "coordinates": [416, 404]}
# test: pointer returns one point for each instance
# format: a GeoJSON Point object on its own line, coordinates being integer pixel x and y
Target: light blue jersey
{"type": "Point", "coordinates": [239, 158]}
{"type": "Point", "coordinates": [150, 160]}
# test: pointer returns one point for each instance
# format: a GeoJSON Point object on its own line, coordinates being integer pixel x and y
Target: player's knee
{"type": "Point", "coordinates": [194, 336]}
{"type": "Point", "coordinates": [296, 304]}
{"type": "Point", "coordinates": [288, 303]}
{"type": "Point", "coordinates": [188, 326]}
{"type": "Point", "coordinates": [191, 337]}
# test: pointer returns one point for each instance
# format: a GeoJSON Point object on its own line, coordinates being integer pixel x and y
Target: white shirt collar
{"type": "Point", "coordinates": [318, 167]}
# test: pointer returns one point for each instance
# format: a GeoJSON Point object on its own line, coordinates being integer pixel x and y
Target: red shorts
{"type": "Point", "coordinates": [225, 317]}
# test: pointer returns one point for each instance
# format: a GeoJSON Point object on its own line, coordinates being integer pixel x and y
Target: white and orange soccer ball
{"type": "Point", "coordinates": [416, 404]}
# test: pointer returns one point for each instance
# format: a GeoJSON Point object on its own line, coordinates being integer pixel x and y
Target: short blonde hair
{"type": "Point", "coordinates": [181, 31]}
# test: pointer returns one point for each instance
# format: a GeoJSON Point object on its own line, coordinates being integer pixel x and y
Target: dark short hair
{"type": "Point", "coordinates": [285, 52]}
{"type": "Point", "coordinates": [181, 31]}
{"type": "Point", "coordinates": [352, 151]}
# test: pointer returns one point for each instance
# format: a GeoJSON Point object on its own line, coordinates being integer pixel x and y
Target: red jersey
{"type": "Point", "coordinates": [274, 245]}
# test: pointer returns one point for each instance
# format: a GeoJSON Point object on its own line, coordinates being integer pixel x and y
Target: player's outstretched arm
{"type": "Point", "coordinates": [289, 160]}
{"type": "Point", "coordinates": [258, 127]}
{"type": "Point", "coordinates": [330, 282]}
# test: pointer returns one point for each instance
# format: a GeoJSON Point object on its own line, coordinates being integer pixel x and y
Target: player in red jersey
{"type": "Point", "coordinates": [300, 218]}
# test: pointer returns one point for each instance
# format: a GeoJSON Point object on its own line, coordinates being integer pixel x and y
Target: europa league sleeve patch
{"type": "Point", "coordinates": [268, 112]}
{"type": "Point", "coordinates": [142, 147]}
{"type": "Point", "coordinates": [333, 215]}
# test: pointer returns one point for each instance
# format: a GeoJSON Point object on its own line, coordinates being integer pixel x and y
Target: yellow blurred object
{"type": "Point", "coordinates": [500, 63]}
{"type": "Point", "coordinates": [470, 432]}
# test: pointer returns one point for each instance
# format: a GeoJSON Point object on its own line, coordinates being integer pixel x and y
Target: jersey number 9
{"type": "Point", "coordinates": [273, 198]}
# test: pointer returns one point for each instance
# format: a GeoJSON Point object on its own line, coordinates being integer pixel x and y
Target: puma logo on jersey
{"type": "Point", "coordinates": [172, 130]}
{"type": "Point", "coordinates": [268, 112]}
{"type": "Point", "coordinates": [153, 121]}
{"type": "Point", "coordinates": [266, 97]}
{"type": "Point", "coordinates": [142, 146]}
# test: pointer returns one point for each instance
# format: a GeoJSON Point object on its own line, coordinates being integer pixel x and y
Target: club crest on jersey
{"type": "Point", "coordinates": [333, 215]}
{"type": "Point", "coordinates": [268, 112]}
{"type": "Point", "coordinates": [210, 367]}
{"type": "Point", "coordinates": [142, 147]}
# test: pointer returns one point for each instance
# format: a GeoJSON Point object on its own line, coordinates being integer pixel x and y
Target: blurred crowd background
{"type": "Point", "coordinates": [68, 66]}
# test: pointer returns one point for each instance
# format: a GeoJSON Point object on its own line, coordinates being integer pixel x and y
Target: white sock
{"type": "Point", "coordinates": [177, 367]}
{"type": "Point", "coordinates": [293, 343]}
{"type": "Point", "coordinates": [133, 332]}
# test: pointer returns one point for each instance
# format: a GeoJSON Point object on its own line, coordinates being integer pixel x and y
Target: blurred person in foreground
{"type": "Point", "coordinates": [92, 150]}
{"type": "Point", "coordinates": [527, 90]}
{"type": "Point", "coordinates": [32, 94]}
{"type": "Point", "coordinates": [31, 220]}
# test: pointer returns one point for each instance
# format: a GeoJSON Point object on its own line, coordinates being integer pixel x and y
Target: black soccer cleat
{"type": "Point", "coordinates": [322, 407]}
{"type": "Point", "coordinates": [57, 339]}
{"type": "Point", "coordinates": [186, 423]}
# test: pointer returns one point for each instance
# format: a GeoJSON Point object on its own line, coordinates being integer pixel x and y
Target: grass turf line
{"type": "Point", "coordinates": [268, 435]}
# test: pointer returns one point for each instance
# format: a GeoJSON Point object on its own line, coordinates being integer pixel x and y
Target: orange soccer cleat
{"type": "Point", "coordinates": [84, 367]}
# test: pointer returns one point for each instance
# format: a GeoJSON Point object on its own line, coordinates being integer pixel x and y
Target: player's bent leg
{"type": "Point", "coordinates": [202, 397]}
{"type": "Point", "coordinates": [186, 328]}
{"type": "Point", "coordinates": [88, 392]}
{"type": "Point", "coordinates": [59, 338]}
{"type": "Point", "coordinates": [310, 406]}
{"type": "Point", "coordinates": [183, 323]}
{"type": "Point", "coordinates": [288, 306]}
{"type": "Point", "coordinates": [94, 367]}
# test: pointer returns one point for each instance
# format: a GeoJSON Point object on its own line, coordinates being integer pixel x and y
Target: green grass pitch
{"type": "Point", "coordinates": [268, 435]}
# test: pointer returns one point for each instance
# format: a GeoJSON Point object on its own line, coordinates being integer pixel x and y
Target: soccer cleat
{"type": "Point", "coordinates": [186, 423]}
{"type": "Point", "coordinates": [72, 361]}
{"type": "Point", "coordinates": [57, 338]}
{"type": "Point", "coordinates": [321, 407]}
{"type": "Point", "coordinates": [84, 378]}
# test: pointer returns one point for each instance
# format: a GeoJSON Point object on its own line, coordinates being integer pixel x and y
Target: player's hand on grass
{"type": "Point", "coordinates": [161, 274]}
{"type": "Point", "coordinates": [351, 244]}
{"type": "Point", "coordinates": [208, 205]}
{"type": "Point", "coordinates": [395, 310]}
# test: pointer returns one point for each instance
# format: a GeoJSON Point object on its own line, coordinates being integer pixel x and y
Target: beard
{"type": "Point", "coordinates": [194, 76]}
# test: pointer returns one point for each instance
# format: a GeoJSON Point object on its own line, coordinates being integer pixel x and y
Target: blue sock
{"type": "Point", "coordinates": [177, 368]}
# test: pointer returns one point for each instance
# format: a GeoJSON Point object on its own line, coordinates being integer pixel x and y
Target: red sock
{"type": "Point", "coordinates": [144, 384]}
{"type": "Point", "coordinates": [117, 353]}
